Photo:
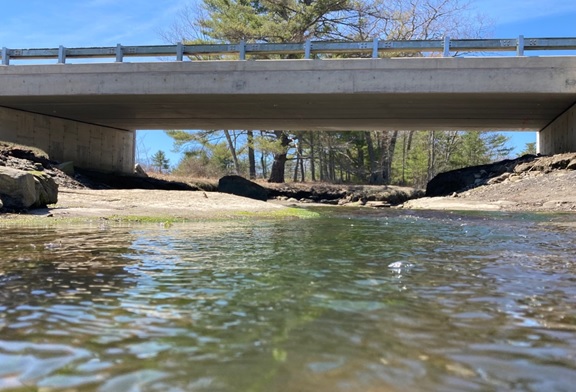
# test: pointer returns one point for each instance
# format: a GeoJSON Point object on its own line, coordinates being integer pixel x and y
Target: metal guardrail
{"type": "Point", "coordinates": [445, 46]}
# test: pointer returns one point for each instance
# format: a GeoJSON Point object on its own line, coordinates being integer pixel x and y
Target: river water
{"type": "Point", "coordinates": [354, 300]}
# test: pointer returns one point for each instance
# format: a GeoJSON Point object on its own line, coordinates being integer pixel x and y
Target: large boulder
{"type": "Point", "coordinates": [46, 189]}
{"type": "Point", "coordinates": [470, 177]}
{"type": "Point", "coordinates": [22, 190]}
{"type": "Point", "coordinates": [240, 186]}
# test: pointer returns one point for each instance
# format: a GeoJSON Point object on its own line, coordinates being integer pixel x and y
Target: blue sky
{"type": "Point", "coordinates": [78, 23]}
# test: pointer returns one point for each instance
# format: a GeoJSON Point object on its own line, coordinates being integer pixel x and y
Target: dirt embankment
{"type": "Point", "coordinates": [528, 184]}
{"type": "Point", "coordinates": [531, 183]}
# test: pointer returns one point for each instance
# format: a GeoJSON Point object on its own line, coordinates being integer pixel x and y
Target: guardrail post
{"type": "Point", "coordinates": [375, 43]}
{"type": "Point", "coordinates": [180, 51]}
{"type": "Point", "coordinates": [242, 50]}
{"type": "Point", "coordinates": [520, 46]}
{"type": "Point", "coordinates": [119, 53]}
{"type": "Point", "coordinates": [5, 56]}
{"type": "Point", "coordinates": [61, 55]}
{"type": "Point", "coordinates": [307, 49]}
{"type": "Point", "coordinates": [446, 47]}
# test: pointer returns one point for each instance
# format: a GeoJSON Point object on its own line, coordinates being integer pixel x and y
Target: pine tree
{"type": "Point", "coordinates": [160, 162]}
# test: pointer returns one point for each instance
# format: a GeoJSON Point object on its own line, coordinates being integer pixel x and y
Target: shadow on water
{"type": "Point", "coordinates": [355, 300]}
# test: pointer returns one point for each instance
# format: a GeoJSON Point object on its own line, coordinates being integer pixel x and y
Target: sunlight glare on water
{"type": "Point", "coordinates": [356, 300]}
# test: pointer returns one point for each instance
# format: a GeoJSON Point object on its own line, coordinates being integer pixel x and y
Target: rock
{"type": "Point", "coordinates": [46, 189]}
{"type": "Point", "coordinates": [551, 204]}
{"type": "Point", "coordinates": [561, 161]}
{"type": "Point", "coordinates": [378, 204]}
{"type": "Point", "coordinates": [500, 178]}
{"type": "Point", "coordinates": [22, 190]}
{"type": "Point", "coordinates": [67, 168]}
{"type": "Point", "coordinates": [571, 165]}
{"type": "Point", "coordinates": [524, 167]}
{"type": "Point", "coordinates": [240, 186]}
{"type": "Point", "coordinates": [17, 188]}
{"type": "Point", "coordinates": [458, 180]}
{"type": "Point", "coordinates": [139, 171]}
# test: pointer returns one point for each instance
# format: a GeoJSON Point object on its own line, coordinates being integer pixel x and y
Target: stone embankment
{"type": "Point", "coordinates": [376, 196]}
{"type": "Point", "coordinates": [528, 183]}
{"type": "Point", "coordinates": [25, 182]}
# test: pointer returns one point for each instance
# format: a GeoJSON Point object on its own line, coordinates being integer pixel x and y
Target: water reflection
{"type": "Point", "coordinates": [357, 300]}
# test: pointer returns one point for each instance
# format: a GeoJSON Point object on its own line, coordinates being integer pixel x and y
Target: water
{"type": "Point", "coordinates": [356, 300]}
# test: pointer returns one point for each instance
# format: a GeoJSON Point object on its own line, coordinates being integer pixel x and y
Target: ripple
{"type": "Point", "coordinates": [409, 300]}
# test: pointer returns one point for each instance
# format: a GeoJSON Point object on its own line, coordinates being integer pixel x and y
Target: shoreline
{"type": "Point", "coordinates": [526, 184]}
{"type": "Point", "coordinates": [161, 206]}
{"type": "Point", "coordinates": [145, 205]}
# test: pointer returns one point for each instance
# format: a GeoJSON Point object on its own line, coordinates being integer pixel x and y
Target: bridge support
{"type": "Point", "coordinates": [560, 135]}
{"type": "Point", "coordinates": [89, 146]}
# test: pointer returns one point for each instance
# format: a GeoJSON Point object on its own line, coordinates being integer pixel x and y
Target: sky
{"type": "Point", "coordinates": [85, 23]}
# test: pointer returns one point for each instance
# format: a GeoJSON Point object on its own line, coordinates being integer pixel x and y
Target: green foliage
{"type": "Point", "coordinates": [530, 148]}
{"type": "Point", "coordinates": [209, 161]}
{"type": "Point", "coordinates": [271, 20]}
{"type": "Point", "coordinates": [371, 156]}
{"type": "Point", "coordinates": [160, 162]}
{"type": "Point", "coordinates": [435, 152]}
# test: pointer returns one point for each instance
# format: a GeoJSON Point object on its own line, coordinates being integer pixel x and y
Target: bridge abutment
{"type": "Point", "coordinates": [89, 146]}
{"type": "Point", "coordinates": [560, 135]}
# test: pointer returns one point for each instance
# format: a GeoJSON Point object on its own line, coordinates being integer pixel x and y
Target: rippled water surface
{"type": "Point", "coordinates": [351, 301]}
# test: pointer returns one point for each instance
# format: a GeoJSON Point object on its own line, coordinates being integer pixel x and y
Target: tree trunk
{"type": "Point", "coordinates": [264, 165]}
{"type": "Point", "coordinates": [251, 156]}
{"type": "Point", "coordinates": [332, 165]}
{"type": "Point", "coordinates": [391, 147]}
{"type": "Point", "coordinates": [301, 155]}
{"type": "Point", "coordinates": [361, 164]}
{"type": "Point", "coordinates": [312, 157]}
{"type": "Point", "coordinates": [299, 166]}
{"type": "Point", "coordinates": [431, 156]}
{"type": "Point", "coordinates": [296, 167]}
{"type": "Point", "coordinates": [321, 163]}
{"type": "Point", "coordinates": [279, 164]}
{"type": "Point", "coordinates": [232, 151]}
{"type": "Point", "coordinates": [373, 178]}
{"type": "Point", "coordinates": [263, 160]}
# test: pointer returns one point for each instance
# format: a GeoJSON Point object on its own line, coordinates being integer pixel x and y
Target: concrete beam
{"type": "Point", "coordinates": [559, 136]}
{"type": "Point", "coordinates": [512, 93]}
{"type": "Point", "coordinates": [89, 146]}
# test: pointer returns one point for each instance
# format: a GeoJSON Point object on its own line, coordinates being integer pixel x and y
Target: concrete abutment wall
{"type": "Point", "coordinates": [89, 146]}
{"type": "Point", "coordinates": [560, 135]}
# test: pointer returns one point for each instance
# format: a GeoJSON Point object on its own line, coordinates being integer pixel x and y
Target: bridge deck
{"type": "Point", "coordinates": [524, 93]}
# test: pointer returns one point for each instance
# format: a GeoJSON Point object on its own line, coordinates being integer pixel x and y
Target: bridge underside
{"type": "Point", "coordinates": [110, 101]}
{"type": "Point", "coordinates": [430, 111]}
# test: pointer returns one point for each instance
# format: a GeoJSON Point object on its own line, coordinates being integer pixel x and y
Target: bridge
{"type": "Point", "coordinates": [89, 112]}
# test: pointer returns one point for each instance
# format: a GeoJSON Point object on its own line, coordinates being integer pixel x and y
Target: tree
{"type": "Point", "coordinates": [223, 21]}
{"type": "Point", "coordinates": [437, 151]}
{"type": "Point", "coordinates": [530, 148]}
{"type": "Point", "coordinates": [207, 153]}
{"type": "Point", "coordinates": [160, 162]}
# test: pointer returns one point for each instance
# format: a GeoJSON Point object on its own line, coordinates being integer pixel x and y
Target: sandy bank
{"type": "Point", "coordinates": [544, 192]}
{"type": "Point", "coordinates": [174, 205]}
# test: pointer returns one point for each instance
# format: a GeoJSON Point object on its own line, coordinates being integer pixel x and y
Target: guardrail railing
{"type": "Point", "coordinates": [375, 47]}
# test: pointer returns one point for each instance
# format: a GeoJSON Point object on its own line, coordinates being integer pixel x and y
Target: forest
{"type": "Point", "coordinates": [363, 157]}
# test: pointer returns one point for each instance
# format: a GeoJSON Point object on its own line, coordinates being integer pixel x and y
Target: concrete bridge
{"type": "Point", "coordinates": [88, 113]}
